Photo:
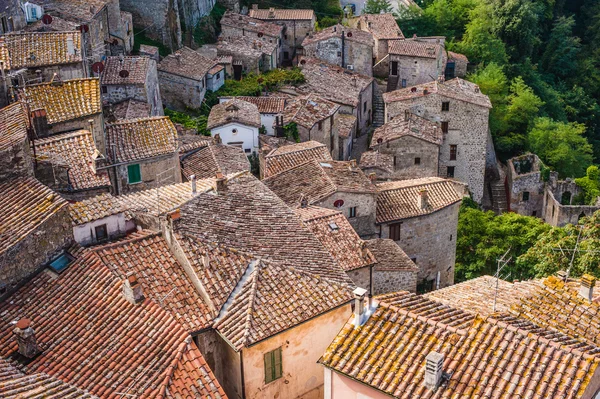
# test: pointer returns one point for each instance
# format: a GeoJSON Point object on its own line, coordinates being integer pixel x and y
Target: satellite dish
{"type": "Point", "coordinates": [349, 34]}
{"type": "Point", "coordinates": [339, 203]}
{"type": "Point", "coordinates": [98, 67]}
{"type": "Point", "coordinates": [379, 140]}
{"type": "Point", "coordinates": [47, 19]}
{"type": "Point", "coordinates": [115, 42]}
{"type": "Point", "coordinates": [303, 62]}
{"type": "Point", "coordinates": [84, 28]}
{"type": "Point", "coordinates": [124, 73]}
{"type": "Point", "coordinates": [260, 34]}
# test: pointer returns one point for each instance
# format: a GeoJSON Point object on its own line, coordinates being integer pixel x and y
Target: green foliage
{"type": "Point", "coordinates": [377, 6]}
{"type": "Point", "coordinates": [208, 28]}
{"type": "Point", "coordinates": [141, 38]}
{"type": "Point", "coordinates": [521, 110]}
{"type": "Point", "coordinates": [590, 184]}
{"type": "Point", "coordinates": [291, 131]}
{"type": "Point", "coordinates": [189, 120]}
{"type": "Point", "coordinates": [253, 85]}
{"type": "Point", "coordinates": [483, 237]}
{"type": "Point", "coordinates": [561, 146]}
{"type": "Point", "coordinates": [262, 129]}
{"type": "Point", "coordinates": [562, 49]}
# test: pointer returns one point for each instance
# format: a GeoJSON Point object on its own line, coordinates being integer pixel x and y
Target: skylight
{"type": "Point", "coordinates": [60, 263]}
{"type": "Point", "coordinates": [325, 165]}
{"type": "Point", "coordinates": [333, 226]}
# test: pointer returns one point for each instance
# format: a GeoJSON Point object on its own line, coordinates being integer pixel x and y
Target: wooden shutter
{"type": "Point", "coordinates": [134, 174]}
{"type": "Point", "coordinates": [268, 367]}
{"type": "Point", "coordinates": [277, 364]}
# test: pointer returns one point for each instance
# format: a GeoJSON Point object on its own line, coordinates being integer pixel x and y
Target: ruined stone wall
{"type": "Point", "coordinates": [468, 130]}
{"type": "Point", "coordinates": [430, 240]}
{"type": "Point", "coordinates": [150, 169]}
{"type": "Point", "coordinates": [364, 222]}
{"type": "Point", "coordinates": [179, 92]}
{"type": "Point", "coordinates": [416, 70]}
{"type": "Point", "coordinates": [386, 281]}
{"type": "Point", "coordinates": [525, 180]}
{"type": "Point", "coordinates": [406, 150]}
{"type": "Point", "coordinates": [11, 10]}
{"type": "Point", "coordinates": [361, 277]}
{"type": "Point", "coordinates": [359, 55]}
{"type": "Point", "coordinates": [559, 215]}
{"type": "Point", "coordinates": [16, 161]}
{"type": "Point", "coordinates": [153, 90]}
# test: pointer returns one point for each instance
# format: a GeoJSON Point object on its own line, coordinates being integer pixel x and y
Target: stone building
{"type": "Point", "coordinates": [277, 159]}
{"type": "Point", "coordinates": [330, 184]}
{"type": "Point", "coordinates": [27, 58]}
{"type": "Point", "coordinates": [237, 123]}
{"type": "Point", "coordinates": [421, 216]}
{"type": "Point", "coordinates": [160, 19]}
{"type": "Point", "coordinates": [142, 153]}
{"type": "Point", "coordinates": [128, 109]}
{"type": "Point", "coordinates": [413, 62]}
{"type": "Point", "coordinates": [455, 66]}
{"type": "Point", "coordinates": [352, 91]}
{"type": "Point", "coordinates": [36, 229]}
{"type": "Point", "coordinates": [134, 78]}
{"type": "Point", "coordinates": [394, 270]}
{"type": "Point", "coordinates": [248, 55]}
{"type": "Point", "coordinates": [559, 207]}
{"type": "Point", "coordinates": [346, 133]}
{"type": "Point", "coordinates": [15, 153]}
{"type": "Point", "coordinates": [184, 78]}
{"type": "Point", "coordinates": [342, 46]}
{"type": "Point", "coordinates": [268, 107]}
{"type": "Point", "coordinates": [208, 161]}
{"type": "Point", "coordinates": [526, 185]}
{"type": "Point", "coordinates": [12, 17]}
{"type": "Point", "coordinates": [412, 146]}
{"type": "Point", "coordinates": [297, 25]}
{"type": "Point", "coordinates": [384, 28]}
{"type": "Point", "coordinates": [463, 113]}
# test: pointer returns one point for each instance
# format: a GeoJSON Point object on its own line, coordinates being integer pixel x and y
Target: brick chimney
{"type": "Point", "coordinates": [352, 164]}
{"type": "Point", "coordinates": [194, 184]}
{"type": "Point", "coordinates": [217, 139]}
{"type": "Point", "coordinates": [25, 336]}
{"type": "Point", "coordinates": [586, 288]}
{"type": "Point", "coordinates": [132, 290]}
{"type": "Point", "coordinates": [423, 198]}
{"type": "Point", "coordinates": [360, 308]}
{"type": "Point", "coordinates": [562, 274]}
{"type": "Point", "coordinates": [271, 12]}
{"type": "Point", "coordinates": [434, 364]}
{"type": "Point", "coordinates": [221, 183]}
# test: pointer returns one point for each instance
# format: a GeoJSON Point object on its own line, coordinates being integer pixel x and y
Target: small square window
{"type": "Point", "coordinates": [446, 106]}
{"type": "Point", "coordinates": [534, 213]}
{"type": "Point", "coordinates": [403, 83]}
{"type": "Point", "coordinates": [417, 161]}
{"type": "Point", "coordinates": [395, 231]}
{"type": "Point", "coordinates": [414, 260]}
{"type": "Point", "coordinates": [352, 212]}
{"type": "Point", "coordinates": [273, 365]}
{"type": "Point", "coordinates": [104, 89]}
{"type": "Point", "coordinates": [60, 263]}
{"type": "Point", "coordinates": [339, 53]}
{"type": "Point", "coordinates": [395, 160]}
{"type": "Point", "coordinates": [453, 151]}
{"type": "Point", "coordinates": [247, 150]}
{"type": "Point", "coordinates": [525, 195]}
{"type": "Point", "coordinates": [101, 232]}
{"type": "Point", "coordinates": [320, 125]}
{"type": "Point", "coordinates": [450, 172]}
{"type": "Point", "coordinates": [134, 174]}
{"type": "Point", "coordinates": [365, 106]}
{"type": "Point", "coordinates": [445, 127]}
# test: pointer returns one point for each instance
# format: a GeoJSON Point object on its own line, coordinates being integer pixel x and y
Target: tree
{"type": "Point", "coordinates": [523, 106]}
{"type": "Point", "coordinates": [377, 7]}
{"type": "Point", "coordinates": [561, 146]}
{"type": "Point", "coordinates": [590, 184]}
{"type": "Point", "coordinates": [562, 48]}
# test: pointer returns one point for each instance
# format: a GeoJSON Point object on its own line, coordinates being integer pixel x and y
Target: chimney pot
{"type": "Point", "coordinates": [26, 340]}
{"type": "Point", "coordinates": [423, 198]}
{"type": "Point", "coordinates": [359, 306]}
{"type": "Point", "coordinates": [586, 288]}
{"type": "Point", "coordinates": [221, 183]}
{"type": "Point", "coordinates": [132, 290]}
{"type": "Point", "coordinates": [434, 365]}
{"type": "Point", "coordinates": [193, 180]}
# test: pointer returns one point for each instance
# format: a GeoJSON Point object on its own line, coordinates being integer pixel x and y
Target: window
{"type": "Point", "coordinates": [273, 365]}
{"type": "Point", "coordinates": [33, 13]}
{"type": "Point", "coordinates": [320, 125]}
{"type": "Point", "coordinates": [104, 89]}
{"type": "Point", "coordinates": [417, 161]}
{"type": "Point", "coordinates": [339, 53]}
{"type": "Point", "coordinates": [450, 237]}
{"type": "Point", "coordinates": [394, 160]}
{"type": "Point", "coordinates": [525, 195]}
{"type": "Point", "coordinates": [453, 149]}
{"type": "Point", "coordinates": [352, 212]}
{"type": "Point", "coordinates": [101, 232]}
{"type": "Point", "coordinates": [218, 76]}
{"type": "Point", "coordinates": [365, 106]}
{"type": "Point", "coordinates": [534, 213]}
{"type": "Point", "coordinates": [285, 38]}
{"type": "Point", "coordinates": [247, 150]}
{"type": "Point", "coordinates": [395, 229]}
{"type": "Point", "coordinates": [234, 131]}
{"type": "Point", "coordinates": [413, 260]}
{"type": "Point", "coordinates": [286, 55]}
{"type": "Point", "coordinates": [444, 127]}
{"type": "Point", "coordinates": [134, 174]}
{"type": "Point", "coordinates": [446, 106]}
{"type": "Point", "coordinates": [60, 263]}
{"type": "Point", "coordinates": [425, 286]}
{"type": "Point", "coordinates": [403, 83]}
{"type": "Point", "coordinates": [450, 172]}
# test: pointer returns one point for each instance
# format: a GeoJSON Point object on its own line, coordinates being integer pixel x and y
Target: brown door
{"type": "Point", "coordinates": [395, 68]}
{"type": "Point", "coordinates": [237, 72]}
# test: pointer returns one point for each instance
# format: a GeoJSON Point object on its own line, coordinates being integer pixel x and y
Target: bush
{"type": "Point", "coordinates": [253, 85]}
{"type": "Point", "coordinates": [188, 121]}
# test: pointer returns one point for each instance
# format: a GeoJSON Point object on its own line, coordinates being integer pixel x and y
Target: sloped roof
{"type": "Point", "coordinates": [318, 180]}
{"type": "Point", "coordinates": [457, 88]}
{"type": "Point", "coordinates": [139, 139]}
{"type": "Point", "coordinates": [337, 236]}
{"type": "Point", "coordinates": [346, 125]}
{"type": "Point", "coordinates": [25, 204]}
{"type": "Point", "coordinates": [250, 24]}
{"type": "Point", "coordinates": [209, 160]}
{"type": "Point", "coordinates": [308, 110]}
{"type": "Point", "coordinates": [245, 47]}
{"type": "Point", "coordinates": [289, 156]}
{"type": "Point", "coordinates": [457, 56]}
{"type": "Point", "coordinates": [377, 160]}
{"type": "Point", "coordinates": [57, 25]}
{"type": "Point", "coordinates": [84, 306]}
{"type": "Point", "coordinates": [78, 152]}
{"type": "Point", "coordinates": [398, 200]}
{"type": "Point", "coordinates": [351, 35]}
{"type": "Point", "coordinates": [13, 125]}
{"type": "Point", "coordinates": [37, 49]}
{"type": "Point", "coordinates": [265, 105]}
{"type": "Point", "coordinates": [382, 26]}
{"type": "Point", "coordinates": [414, 48]}
{"type": "Point", "coordinates": [282, 14]}
{"type": "Point", "coordinates": [234, 111]}
{"type": "Point", "coordinates": [73, 10]}
{"type": "Point", "coordinates": [131, 109]}
{"type": "Point", "coordinates": [187, 63]}
{"type": "Point", "coordinates": [389, 255]}
{"type": "Point", "coordinates": [415, 126]}
{"type": "Point", "coordinates": [137, 70]}
{"type": "Point", "coordinates": [65, 101]}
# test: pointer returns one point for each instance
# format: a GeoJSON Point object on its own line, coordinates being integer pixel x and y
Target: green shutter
{"type": "Point", "coordinates": [277, 369]}
{"type": "Point", "coordinates": [273, 365]}
{"type": "Point", "coordinates": [268, 367]}
{"type": "Point", "coordinates": [134, 174]}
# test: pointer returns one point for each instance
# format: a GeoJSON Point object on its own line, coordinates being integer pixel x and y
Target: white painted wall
{"type": "Point", "coordinates": [233, 133]}
{"type": "Point", "coordinates": [116, 225]}
{"type": "Point", "coordinates": [268, 120]}
{"type": "Point", "coordinates": [33, 12]}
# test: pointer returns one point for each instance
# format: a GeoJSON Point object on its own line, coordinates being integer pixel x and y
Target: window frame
{"type": "Point", "coordinates": [453, 152]}
{"type": "Point", "coordinates": [445, 106]}
{"type": "Point", "coordinates": [129, 168]}
{"type": "Point", "coordinates": [100, 227]}
{"type": "Point", "coordinates": [450, 174]}
{"type": "Point", "coordinates": [395, 231]}
{"type": "Point", "coordinates": [273, 365]}
{"type": "Point", "coordinates": [525, 196]}
{"type": "Point", "coordinates": [417, 160]}
{"type": "Point", "coordinates": [445, 127]}
{"type": "Point", "coordinates": [352, 211]}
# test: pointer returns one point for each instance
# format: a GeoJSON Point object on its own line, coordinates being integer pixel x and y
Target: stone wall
{"type": "Point", "coordinates": [97, 37]}
{"type": "Point", "coordinates": [382, 69]}
{"type": "Point", "coordinates": [82, 123]}
{"type": "Point", "coordinates": [190, 11]}
{"type": "Point", "coordinates": [363, 114]}
{"type": "Point", "coordinates": [430, 240]}
{"type": "Point", "coordinates": [179, 92]}
{"type": "Point", "coordinates": [559, 215]}
{"type": "Point", "coordinates": [16, 161]}
{"type": "Point", "coordinates": [525, 180]}
{"type": "Point", "coordinates": [361, 277]}
{"type": "Point", "coordinates": [159, 18]}
{"type": "Point", "coordinates": [416, 70]}
{"type": "Point", "coordinates": [293, 35]}
{"type": "Point", "coordinates": [150, 168]}
{"type": "Point", "coordinates": [468, 130]}
{"type": "Point", "coordinates": [406, 150]}
{"type": "Point", "coordinates": [223, 360]}
{"type": "Point", "coordinates": [323, 135]}
{"type": "Point", "coordinates": [232, 31]}
{"type": "Point", "coordinates": [359, 55]}
{"type": "Point", "coordinates": [36, 249]}
{"type": "Point", "coordinates": [13, 16]}
{"type": "Point", "coordinates": [386, 281]}
{"type": "Point", "coordinates": [364, 222]}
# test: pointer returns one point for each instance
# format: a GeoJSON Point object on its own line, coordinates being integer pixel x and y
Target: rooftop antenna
{"type": "Point", "coordinates": [502, 262]}
{"type": "Point", "coordinates": [573, 250]}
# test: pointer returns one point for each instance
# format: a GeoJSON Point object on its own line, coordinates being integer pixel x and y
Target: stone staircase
{"type": "Point", "coordinates": [499, 203]}
{"type": "Point", "coordinates": [378, 107]}
{"type": "Point", "coordinates": [392, 83]}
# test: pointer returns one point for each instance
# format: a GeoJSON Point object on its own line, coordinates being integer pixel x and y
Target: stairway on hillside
{"type": "Point", "coordinates": [392, 83]}
{"type": "Point", "coordinates": [378, 107]}
{"type": "Point", "coordinates": [499, 203]}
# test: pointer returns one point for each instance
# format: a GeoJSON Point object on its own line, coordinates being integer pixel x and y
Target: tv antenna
{"type": "Point", "coordinates": [501, 264]}
{"type": "Point", "coordinates": [575, 250]}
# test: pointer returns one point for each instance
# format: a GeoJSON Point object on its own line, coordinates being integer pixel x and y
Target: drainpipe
{"type": "Point", "coordinates": [343, 50]}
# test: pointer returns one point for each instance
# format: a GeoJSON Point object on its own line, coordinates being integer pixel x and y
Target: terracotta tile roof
{"type": "Point", "coordinates": [382, 26]}
{"type": "Point", "coordinates": [250, 24]}
{"type": "Point", "coordinates": [209, 160]}
{"type": "Point", "coordinates": [250, 218]}
{"type": "Point", "coordinates": [188, 142]}
{"type": "Point", "coordinates": [265, 105]}
{"type": "Point", "coordinates": [187, 63]}
{"type": "Point", "coordinates": [163, 279]}
{"type": "Point", "coordinates": [65, 101]}
{"type": "Point", "coordinates": [400, 199]}
{"type": "Point", "coordinates": [280, 14]}
{"type": "Point", "coordinates": [17, 385]}
{"type": "Point", "coordinates": [415, 126]}
{"type": "Point", "coordinates": [215, 69]}
{"type": "Point", "coordinates": [318, 180]}
{"type": "Point", "coordinates": [136, 67]}
{"type": "Point", "coordinates": [274, 298]}
{"type": "Point", "coordinates": [485, 359]}
{"type": "Point", "coordinates": [25, 204]}
{"type": "Point", "coordinates": [245, 47]}
{"type": "Point", "coordinates": [155, 201]}
{"type": "Point", "coordinates": [73, 10]}
{"type": "Point", "coordinates": [346, 125]}
{"type": "Point", "coordinates": [36, 49]}
{"type": "Point", "coordinates": [139, 139]}
{"type": "Point", "coordinates": [131, 109]}
{"type": "Point", "coordinates": [13, 125]}
{"type": "Point", "coordinates": [308, 110]}
{"type": "Point", "coordinates": [377, 160]}
{"type": "Point", "coordinates": [289, 156]}
{"type": "Point", "coordinates": [332, 82]}
{"type": "Point", "coordinates": [457, 56]}
{"type": "Point", "coordinates": [336, 234]}
{"type": "Point", "coordinates": [147, 49]}
{"type": "Point", "coordinates": [78, 152]}
{"type": "Point", "coordinates": [457, 89]}
{"type": "Point", "coordinates": [414, 48]}
{"type": "Point", "coordinates": [234, 111]}
{"type": "Point", "coordinates": [389, 255]}
{"type": "Point", "coordinates": [84, 306]}
{"type": "Point", "coordinates": [58, 25]}
{"type": "Point", "coordinates": [351, 35]}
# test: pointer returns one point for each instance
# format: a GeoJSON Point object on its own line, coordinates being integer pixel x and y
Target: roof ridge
{"type": "Point", "coordinates": [426, 319]}
{"type": "Point", "coordinates": [63, 82]}
{"type": "Point", "coordinates": [321, 145]}
{"type": "Point", "coordinates": [141, 235]}
{"type": "Point", "coordinates": [252, 299]}
{"type": "Point", "coordinates": [414, 185]}
{"type": "Point", "coordinates": [170, 370]}
{"type": "Point", "coordinates": [333, 213]}
{"type": "Point", "coordinates": [137, 120]}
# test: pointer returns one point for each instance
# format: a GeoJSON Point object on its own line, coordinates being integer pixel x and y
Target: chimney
{"type": "Point", "coordinates": [39, 121]}
{"type": "Point", "coordinates": [335, 28]}
{"type": "Point", "coordinates": [423, 198]}
{"type": "Point", "coordinates": [40, 77]}
{"type": "Point", "coordinates": [586, 289]}
{"type": "Point", "coordinates": [221, 183]}
{"type": "Point", "coordinates": [25, 337]}
{"type": "Point", "coordinates": [70, 46]}
{"type": "Point", "coordinates": [562, 275]}
{"type": "Point", "coordinates": [178, 57]}
{"type": "Point", "coordinates": [359, 306]}
{"type": "Point", "coordinates": [373, 177]}
{"type": "Point", "coordinates": [271, 12]}
{"type": "Point", "coordinates": [255, 6]}
{"type": "Point", "coordinates": [193, 180]}
{"type": "Point", "coordinates": [132, 290]}
{"type": "Point", "coordinates": [476, 89]}
{"type": "Point", "coordinates": [217, 139]}
{"type": "Point", "coordinates": [414, 36]}
{"type": "Point", "coordinates": [434, 364]}
{"type": "Point", "coordinates": [174, 214]}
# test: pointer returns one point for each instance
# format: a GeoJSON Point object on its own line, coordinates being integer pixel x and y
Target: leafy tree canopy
{"type": "Point", "coordinates": [377, 6]}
